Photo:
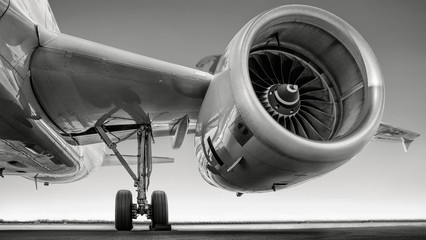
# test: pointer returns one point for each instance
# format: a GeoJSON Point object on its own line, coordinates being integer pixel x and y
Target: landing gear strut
{"type": "Point", "coordinates": [125, 210]}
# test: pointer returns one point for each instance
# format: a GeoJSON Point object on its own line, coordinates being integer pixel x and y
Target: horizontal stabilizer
{"type": "Point", "coordinates": [111, 160]}
{"type": "Point", "coordinates": [389, 133]}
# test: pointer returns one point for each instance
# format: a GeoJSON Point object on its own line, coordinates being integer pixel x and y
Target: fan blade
{"type": "Point", "coordinates": [285, 68]}
{"type": "Point", "coordinates": [296, 69]}
{"type": "Point", "coordinates": [289, 125]}
{"type": "Point", "coordinates": [305, 74]}
{"type": "Point", "coordinates": [299, 127]}
{"type": "Point", "coordinates": [322, 106]}
{"type": "Point", "coordinates": [281, 121]}
{"type": "Point", "coordinates": [321, 95]}
{"type": "Point", "coordinates": [264, 64]}
{"type": "Point", "coordinates": [257, 74]}
{"type": "Point", "coordinates": [309, 129]}
{"type": "Point", "coordinates": [274, 61]}
{"type": "Point", "coordinates": [324, 118]}
{"type": "Point", "coordinates": [313, 85]}
{"type": "Point", "coordinates": [322, 129]}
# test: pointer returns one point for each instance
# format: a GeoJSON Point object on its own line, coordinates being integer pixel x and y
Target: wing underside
{"type": "Point", "coordinates": [79, 83]}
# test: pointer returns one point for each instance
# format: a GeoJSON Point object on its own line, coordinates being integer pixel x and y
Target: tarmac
{"type": "Point", "coordinates": [335, 230]}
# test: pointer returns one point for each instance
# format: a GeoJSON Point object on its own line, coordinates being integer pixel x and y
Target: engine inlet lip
{"type": "Point", "coordinates": [288, 144]}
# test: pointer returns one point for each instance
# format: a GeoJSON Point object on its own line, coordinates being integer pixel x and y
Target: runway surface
{"type": "Point", "coordinates": [411, 230]}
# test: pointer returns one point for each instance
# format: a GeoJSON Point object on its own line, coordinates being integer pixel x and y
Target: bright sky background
{"type": "Point", "coordinates": [382, 182]}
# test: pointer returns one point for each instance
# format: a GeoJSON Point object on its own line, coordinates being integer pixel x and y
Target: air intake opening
{"type": "Point", "coordinates": [295, 93]}
{"type": "Point", "coordinates": [309, 79]}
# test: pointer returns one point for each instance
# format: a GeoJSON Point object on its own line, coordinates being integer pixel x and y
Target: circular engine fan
{"type": "Point", "coordinates": [295, 93]}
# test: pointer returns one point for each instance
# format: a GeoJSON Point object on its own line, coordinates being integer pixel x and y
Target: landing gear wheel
{"type": "Point", "coordinates": [160, 212]}
{"type": "Point", "coordinates": [123, 210]}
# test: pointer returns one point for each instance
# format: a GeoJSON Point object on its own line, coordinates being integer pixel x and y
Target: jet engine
{"type": "Point", "coordinates": [297, 93]}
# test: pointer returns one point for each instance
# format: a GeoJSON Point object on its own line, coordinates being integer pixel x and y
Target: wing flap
{"type": "Point", "coordinates": [388, 133]}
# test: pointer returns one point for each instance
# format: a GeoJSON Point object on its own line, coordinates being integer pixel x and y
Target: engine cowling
{"type": "Point", "coordinates": [297, 93]}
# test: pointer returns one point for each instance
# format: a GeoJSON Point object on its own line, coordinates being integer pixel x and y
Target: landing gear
{"type": "Point", "coordinates": [125, 210]}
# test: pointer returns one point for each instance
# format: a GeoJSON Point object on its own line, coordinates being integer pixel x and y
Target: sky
{"type": "Point", "coordinates": [382, 182]}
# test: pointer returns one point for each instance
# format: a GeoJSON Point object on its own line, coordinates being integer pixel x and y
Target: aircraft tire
{"type": "Point", "coordinates": [160, 213]}
{"type": "Point", "coordinates": [123, 210]}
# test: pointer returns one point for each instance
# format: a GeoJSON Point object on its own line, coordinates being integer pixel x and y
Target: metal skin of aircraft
{"type": "Point", "coordinates": [294, 77]}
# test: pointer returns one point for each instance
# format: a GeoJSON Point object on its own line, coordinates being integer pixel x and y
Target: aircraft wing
{"type": "Point", "coordinates": [79, 83]}
{"type": "Point", "coordinates": [389, 133]}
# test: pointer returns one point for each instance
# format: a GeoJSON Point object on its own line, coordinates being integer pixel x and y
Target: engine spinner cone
{"type": "Point", "coordinates": [284, 99]}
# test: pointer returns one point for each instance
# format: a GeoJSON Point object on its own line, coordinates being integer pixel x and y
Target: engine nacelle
{"type": "Point", "coordinates": [297, 93]}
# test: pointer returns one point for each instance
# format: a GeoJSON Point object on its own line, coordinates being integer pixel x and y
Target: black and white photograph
{"type": "Point", "coordinates": [225, 119]}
